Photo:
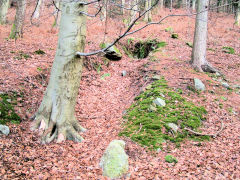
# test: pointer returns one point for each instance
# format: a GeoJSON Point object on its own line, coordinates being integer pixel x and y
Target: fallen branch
{"type": "Point", "coordinates": [202, 134]}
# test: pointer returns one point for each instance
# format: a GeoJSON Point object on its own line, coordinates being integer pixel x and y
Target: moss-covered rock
{"type": "Point", "coordinates": [114, 162]}
{"type": "Point", "coordinates": [150, 127]}
{"type": "Point", "coordinates": [113, 53]}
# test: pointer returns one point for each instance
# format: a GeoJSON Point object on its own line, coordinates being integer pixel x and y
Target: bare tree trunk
{"type": "Point", "coordinates": [161, 4]}
{"type": "Point", "coordinates": [17, 27]}
{"type": "Point", "coordinates": [104, 10]}
{"type": "Point", "coordinates": [123, 6]}
{"type": "Point", "coordinates": [148, 15]}
{"type": "Point", "coordinates": [4, 4]}
{"type": "Point", "coordinates": [38, 9]}
{"type": "Point", "coordinates": [199, 61]}
{"type": "Point", "coordinates": [134, 6]}
{"type": "Point", "coordinates": [193, 5]}
{"type": "Point", "coordinates": [237, 14]}
{"type": "Point", "coordinates": [56, 114]}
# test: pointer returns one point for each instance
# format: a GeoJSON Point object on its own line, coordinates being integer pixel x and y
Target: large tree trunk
{"type": "Point", "coordinates": [17, 27]}
{"type": "Point", "coordinates": [4, 4]}
{"type": "Point", "coordinates": [56, 114]}
{"type": "Point", "coordinates": [199, 61]}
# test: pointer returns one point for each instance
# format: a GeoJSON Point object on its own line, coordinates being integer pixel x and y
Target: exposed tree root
{"type": "Point", "coordinates": [59, 128]}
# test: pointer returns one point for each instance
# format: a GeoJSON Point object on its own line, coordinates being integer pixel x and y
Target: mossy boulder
{"type": "Point", "coordinates": [113, 53]}
{"type": "Point", "coordinates": [114, 162]}
{"type": "Point", "coordinates": [150, 124]}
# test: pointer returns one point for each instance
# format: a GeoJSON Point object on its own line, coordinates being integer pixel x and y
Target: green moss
{"type": "Point", "coordinates": [228, 50]}
{"type": "Point", "coordinates": [7, 112]}
{"type": "Point", "coordinates": [170, 159]}
{"type": "Point", "coordinates": [174, 36]}
{"type": "Point", "coordinates": [39, 51]}
{"type": "Point", "coordinates": [149, 128]}
{"type": "Point", "coordinates": [13, 32]}
{"type": "Point", "coordinates": [141, 49]}
{"type": "Point", "coordinates": [189, 44]}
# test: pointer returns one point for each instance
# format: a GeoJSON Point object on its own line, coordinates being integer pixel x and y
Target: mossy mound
{"type": "Point", "coordinates": [150, 126]}
{"type": "Point", "coordinates": [140, 49]}
{"type": "Point", "coordinates": [7, 112]}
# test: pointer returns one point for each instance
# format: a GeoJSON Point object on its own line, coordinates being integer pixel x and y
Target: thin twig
{"type": "Point", "coordinates": [202, 134]}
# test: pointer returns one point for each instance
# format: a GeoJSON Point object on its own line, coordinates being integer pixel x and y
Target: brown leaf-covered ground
{"type": "Point", "coordinates": [101, 103]}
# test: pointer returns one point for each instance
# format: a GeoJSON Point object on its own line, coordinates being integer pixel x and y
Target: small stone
{"type": "Point", "coordinates": [162, 95]}
{"type": "Point", "coordinates": [114, 161]}
{"type": "Point", "coordinates": [152, 108]}
{"type": "Point", "coordinates": [199, 85]}
{"type": "Point", "coordinates": [226, 85]}
{"type": "Point", "coordinates": [4, 129]}
{"type": "Point", "coordinates": [159, 102]}
{"type": "Point", "coordinates": [148, 87]}
{"type": "Point", "coordinates": [217, 74]}
{"type": "Point", "coordinates": [236, 86]}
{"type": "Point", "coordinates": [156, 77]}
{"type": "Point", "coordinates": [173, 126]}
{"type": "Point", "coordinates": [124, 73]}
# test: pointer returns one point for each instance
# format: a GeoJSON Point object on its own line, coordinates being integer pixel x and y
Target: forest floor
{"type": "Point", "coordinates": [102, 102]}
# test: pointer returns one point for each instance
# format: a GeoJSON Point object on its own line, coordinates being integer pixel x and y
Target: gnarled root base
{"type": "Point", "coordinates": [58, 129]}
{"type": "Point", "coordinates": [205, 68]}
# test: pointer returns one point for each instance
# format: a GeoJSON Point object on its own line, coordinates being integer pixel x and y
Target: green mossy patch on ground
{"type": "Point", "coordinates": [149, 126]}
{"type": "Point", "coordinates": [7, 112]}
{"type": "Point", "coordinates": [140, 49]}
{"type": "Point", "coordinates": [228, 50]}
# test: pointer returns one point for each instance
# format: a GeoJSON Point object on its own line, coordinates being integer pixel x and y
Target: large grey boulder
{"type": "Point", "coordinates": [113, 53]}
{"type": "Point", "coordinates": [4, 129]}
{"type": "Point", "coordinates": [114, 161]}
{"type": "Point", "coordinates": [159, 102]}
{"type": "Point", "coordinates": [198, 84]}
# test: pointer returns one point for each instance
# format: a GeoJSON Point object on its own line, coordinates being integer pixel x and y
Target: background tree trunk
{"type": "Point", "coordinates": [237, 14]}
{"type": "Point", "coordinates": [17, 27]}
{"type": "Point", "coordinates": [38, 9]}
{"type": "Point", "coordinates": [148, 15]}
{"type": "Point", "coordinates": [56, 114]}
{"type": "Point", "coordinates": [4, 4]}
{"type": "Point", "coordinates": [199, 61]}
{"type": "Point", "coordinates": [133, 13]}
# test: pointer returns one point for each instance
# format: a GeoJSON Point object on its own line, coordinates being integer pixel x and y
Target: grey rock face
{"type": "Point", "coordinates": [4, 129]}
{"type": "Point", "coordinates": [198, 84]}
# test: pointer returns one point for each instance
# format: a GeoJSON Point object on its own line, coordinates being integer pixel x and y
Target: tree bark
{"type": "Point", "coordinates": [17, 27]}
{"type": "Point", "coordinates": [4, 4]}
{"type": "Point", "coordinates": [55, 117]}
{"type": "Point", "coordinates": [148, 15]}
{"type": "Point", "coordinates": [133, 13]}
{"type": "Point", "coordinates": [237, 14]}
{"type": "Point", "coordinates": [38, 9]}
{"type": "Point", "coordinates": [193, 5]}
{"type": "Point", "coordinates": [199, 61]}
